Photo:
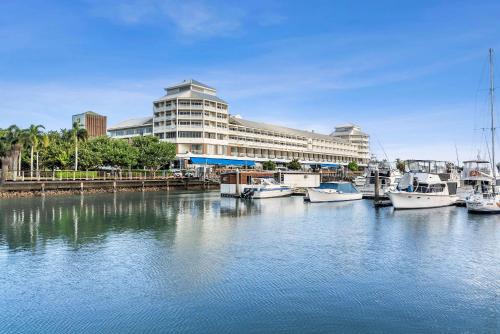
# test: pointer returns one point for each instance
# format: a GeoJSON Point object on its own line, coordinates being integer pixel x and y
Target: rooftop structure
{"type": "Point", "coordinates": [94, 123]}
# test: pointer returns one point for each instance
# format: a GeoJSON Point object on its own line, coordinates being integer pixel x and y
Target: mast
{"type": "Point", "coordinates": [492, 110]}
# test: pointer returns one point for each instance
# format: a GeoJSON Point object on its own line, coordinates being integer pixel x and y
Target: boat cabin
{"type": "Point", "coordinates": [233, 183]}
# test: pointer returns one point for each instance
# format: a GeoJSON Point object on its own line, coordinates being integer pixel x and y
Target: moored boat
{"type": "Point", "coordinates": [265, 188]}
{"type": "Point", "coordinates": [427, 184]}
{"type": "Point", "coordinates": [388, 178]}
{"type": "Point", "coordinates": [477, 176]}
{"type": "Point", "coordinates": [333, 192]}
{"type": "Point", "coordinates": [487, 200]}
{"type": "Point", "coordinates": [484, 203]}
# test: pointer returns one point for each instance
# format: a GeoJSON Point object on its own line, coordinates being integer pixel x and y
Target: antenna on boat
{"type": "Point", "coordinates": [456, 152]}
{"type": "Point", "coordinates": [383, 150]}
{"type": "Point", "coordinates": [492, 109]}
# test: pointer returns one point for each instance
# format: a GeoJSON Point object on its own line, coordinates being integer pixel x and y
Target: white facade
{"type": "Point", "coordinates": [192, 116]}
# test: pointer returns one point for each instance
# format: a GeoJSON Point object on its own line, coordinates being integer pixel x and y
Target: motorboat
{"type": "Point", "coordinates": [487, 199]}
{"type": "Point", "coordinates": [476, 177]}
{"type": "Point", "coordinates": [388, 178]}
{"type": "Point", "coordinates": [426, 184]}
{"type": "Point", "coordinates": [487, 202]}
{"type": "Point", "coordinates": [333, 192]}
{"type": "Point", "coordinates": [265, 188]}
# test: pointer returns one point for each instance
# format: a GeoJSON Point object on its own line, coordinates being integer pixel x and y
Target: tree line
{"type": "Point", "coordinates": [73, 149]}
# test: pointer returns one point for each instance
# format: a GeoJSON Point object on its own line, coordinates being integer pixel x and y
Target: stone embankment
{"type": "Point", "coordinates": [43, 188]}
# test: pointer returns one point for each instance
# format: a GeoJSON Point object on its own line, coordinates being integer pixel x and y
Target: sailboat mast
{"type": "Point", "coordinates": [492, 109]}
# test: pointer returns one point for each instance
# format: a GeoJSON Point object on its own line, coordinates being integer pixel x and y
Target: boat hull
{"type": "Point", "coordinates": [271, 193]}
{"type": "Point", "coordinates": [491, 205]}
{"type": "Point", "coordinates": [318, 196]}
{"type": "Point", "coordinates": [408, 200]}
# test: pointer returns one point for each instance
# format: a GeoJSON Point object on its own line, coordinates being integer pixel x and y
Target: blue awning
{"type": "Point", "coordinates": [330, 165]}
{"type": "Point", "coordinates": [222, 162]}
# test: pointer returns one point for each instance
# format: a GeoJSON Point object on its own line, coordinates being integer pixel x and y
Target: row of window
{"type": "Point", "coordinates": [191, 113]}
{"type": "Point", "coordinates": [130, 132]}
{"type": "Point", "coordinates": [188, 103]}
{"type": "Point", "coordinates": [281, 135]}
{"type": "Point", "coordinates": [266, 141]}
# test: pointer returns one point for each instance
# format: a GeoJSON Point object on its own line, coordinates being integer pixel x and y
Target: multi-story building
{"type": "Point", "coordinates": [198, 122]}
{"type": "Point", "coordinates": [131, 128]}
{"type": "Point", "coordinates": [193, 117]}
{"type": "Point", "coordinates": [94, 123]}
{"type": "Point", "coordinates": [353, 134]}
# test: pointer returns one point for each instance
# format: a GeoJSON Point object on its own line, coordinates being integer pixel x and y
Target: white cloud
{"type": "Point", "coordinates": [193, 18]}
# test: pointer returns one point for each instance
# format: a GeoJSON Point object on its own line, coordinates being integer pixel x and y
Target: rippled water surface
{"type": "Point", "coordinates": [195, 262]}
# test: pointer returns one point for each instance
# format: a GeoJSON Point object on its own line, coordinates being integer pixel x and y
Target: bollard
{"type": "Point", "coordinates": [377, 187]}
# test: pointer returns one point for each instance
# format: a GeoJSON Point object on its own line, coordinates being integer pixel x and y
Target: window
{"type": "Point", "coordinates": [169, 135]}
{"type": "Point", "coordinates": [210, 135]}
{"type": "Point", "coordinates": [189, 134]}
{"type": "Point", "coordinates": [197, 148]}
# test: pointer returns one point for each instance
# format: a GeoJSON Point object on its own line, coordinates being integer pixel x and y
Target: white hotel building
{"type": "Point", "coordinates": [198, 122]}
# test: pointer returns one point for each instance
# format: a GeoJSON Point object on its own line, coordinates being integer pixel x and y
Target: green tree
{"type": "Point", "coordinates": [33, 137]}
{"type": "Point", "coordinates": [352, 166]}
{"type": "Point", "coordinates": [152, 153]}
{"type": "Point", "coordinates": [120, 153]}
{"type": "Point", "coordinates": [269, 165]}
{"type": "Point", "coordinates": [56, 149]}
{"type": "Point", "coordinates": [400, 164]}
{"type": "Point", "coordinates": [15, 136]}
{"type": "Point", "coordinates": [77, 134]}
{"type": "Point", "coordinates": [4, 145]}
{"type": "Point", "coordinates": [91, 153]}
{"type": "Point", "coordinates": [294, 165]}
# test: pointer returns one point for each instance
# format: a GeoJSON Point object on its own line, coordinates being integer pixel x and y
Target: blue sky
{"type": "Point", "coordinates": [412, 74]}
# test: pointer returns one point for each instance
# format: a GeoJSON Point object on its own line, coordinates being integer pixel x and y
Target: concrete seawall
{"type": "Point", "coordinates": [40, 188]}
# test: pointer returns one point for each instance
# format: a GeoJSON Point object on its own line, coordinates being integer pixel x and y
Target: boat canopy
{"type": "Point", "coordinates": [222, 162]}
{"type": "Point", "coordinates": [345, 187]}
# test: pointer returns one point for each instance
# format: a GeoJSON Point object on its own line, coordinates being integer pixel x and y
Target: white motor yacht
{"type": "Point", "coordinates": [476, 177]}
{"type": "Point", "coordinates": [333, 192]}
{"type": "Point", "coordinates": [426, 184]}
{"type": "Point", "coordinates": [265, 188]}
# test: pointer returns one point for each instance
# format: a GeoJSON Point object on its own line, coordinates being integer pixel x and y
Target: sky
{"type": "Point", "coordinates": [412, 74]}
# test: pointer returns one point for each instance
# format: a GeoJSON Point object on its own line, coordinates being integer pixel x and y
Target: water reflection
{"type": "Point", "coordinates": [195, 262]}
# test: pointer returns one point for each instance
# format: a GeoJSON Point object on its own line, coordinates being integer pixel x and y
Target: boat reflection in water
{"type": "Point", "coordinates": [196, 262]}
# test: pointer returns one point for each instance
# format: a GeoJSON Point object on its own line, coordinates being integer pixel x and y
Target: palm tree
{"type": "Point", "coordinates": [33, 136]}
{"type": "Point", "coordinates": [78, 134]}
{"type": "Point", "coordinates": [44, 144]}
{"type": "Point", "coordinates": [14, 138]}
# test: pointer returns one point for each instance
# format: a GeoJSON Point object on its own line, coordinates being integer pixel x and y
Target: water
{"type": "Point", "coordinates": [195, 262]}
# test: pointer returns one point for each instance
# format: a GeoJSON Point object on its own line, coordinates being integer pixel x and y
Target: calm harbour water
{"type": "Point", "coordinates": [195, 262]}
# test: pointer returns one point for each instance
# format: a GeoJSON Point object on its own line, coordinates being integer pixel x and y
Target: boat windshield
{"type": "Point", "coordinates": [426, 166]}
{"type": "Point", "coordinates": [342, 187]}
{"type": "Point", "coordinates": [471, 167]}
{"type": "Point", "coordinates": [263, 181]}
